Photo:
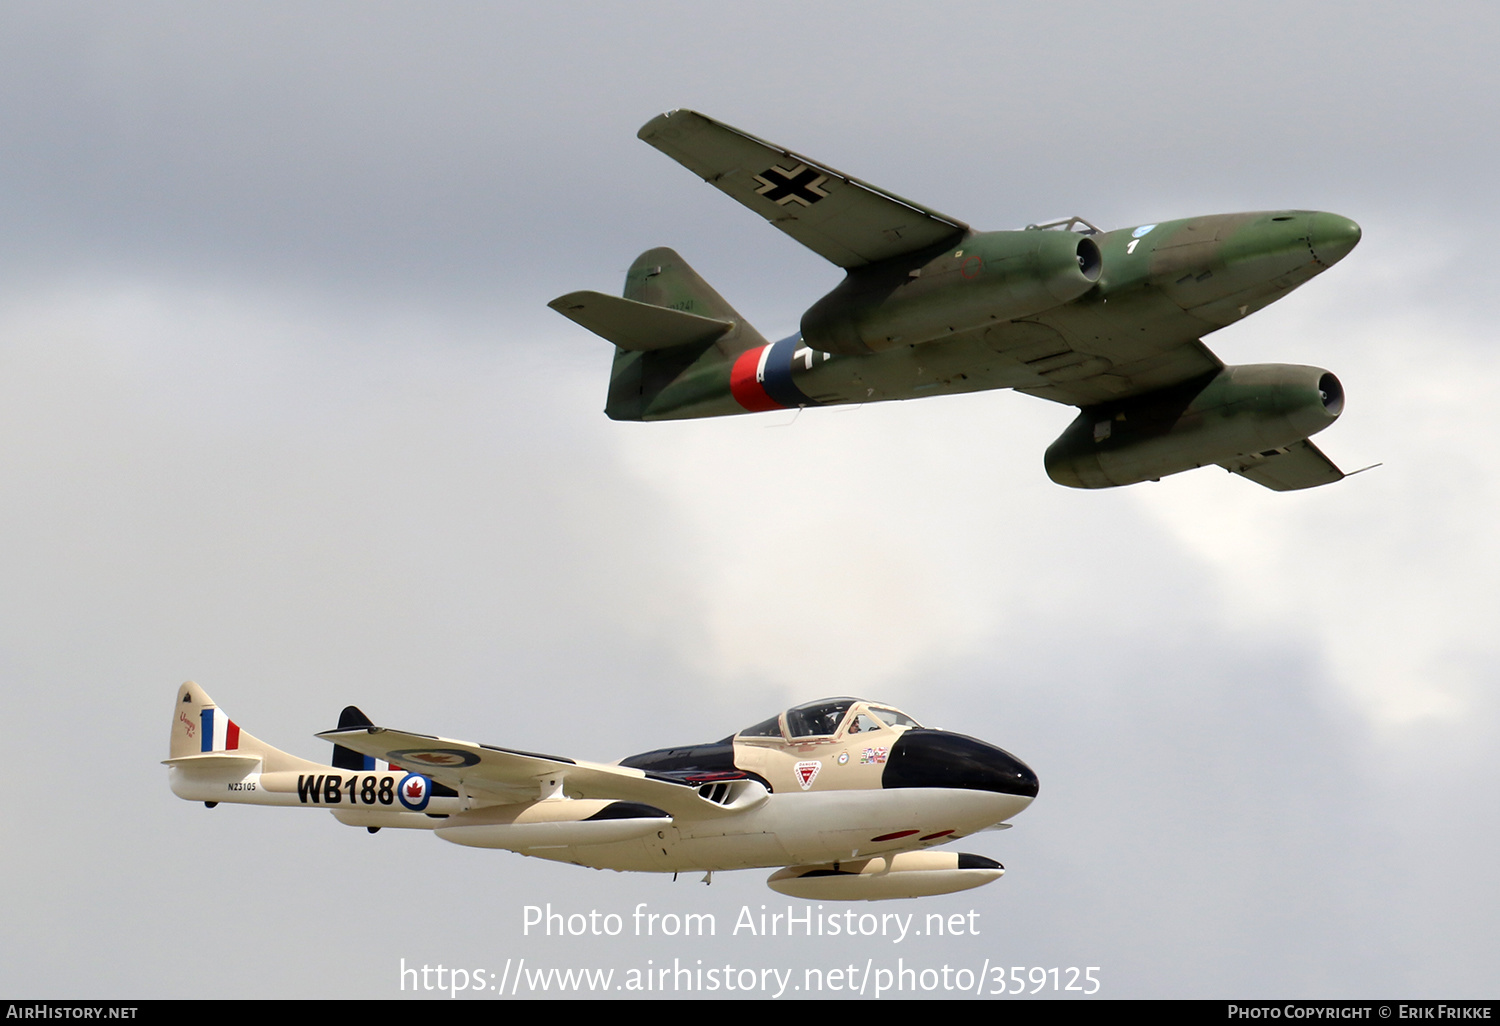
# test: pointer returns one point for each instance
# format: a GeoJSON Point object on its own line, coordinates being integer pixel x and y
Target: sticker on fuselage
{"type": "Point", "coordinates": [1142, 230]}
{"type": "Point", "coordinates": [414, 791]}
{"type": "Point", "coordinates": [807, 772]}
{"type": "Point", "coordinates": [336, 789]}
{"type": "Point", "coordinates": [761, 378]}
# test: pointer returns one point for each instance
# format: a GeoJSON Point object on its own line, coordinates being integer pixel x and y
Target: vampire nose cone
{"type": "Point", "coordinates": [1333, 237]}
{"type": "Point", "coordinates": [936, 758]}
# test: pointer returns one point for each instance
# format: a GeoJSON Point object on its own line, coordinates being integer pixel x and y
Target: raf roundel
{"type": "Point", "coordinates": [443, 758]}
{"type": "Point", "coordinates": [414, 791]}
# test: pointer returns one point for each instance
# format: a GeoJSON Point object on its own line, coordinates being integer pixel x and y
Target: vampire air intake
{"type": "Point", "coordinates": [847, 799]}
{"type": "Point", "coordinates": [1110, 322]}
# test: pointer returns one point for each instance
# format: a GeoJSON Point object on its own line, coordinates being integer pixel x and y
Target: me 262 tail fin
{"type": "Point", "coordinates": [676, 340]}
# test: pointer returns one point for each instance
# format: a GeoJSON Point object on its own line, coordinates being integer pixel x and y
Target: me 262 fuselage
{"type": "Point", "coordinates": [1109, 322]}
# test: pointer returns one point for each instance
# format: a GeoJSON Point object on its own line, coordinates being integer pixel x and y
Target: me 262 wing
{"type": "Point", "coordinates": [508, 776]}
{"type": "Point", "coordinates": [842, 219]}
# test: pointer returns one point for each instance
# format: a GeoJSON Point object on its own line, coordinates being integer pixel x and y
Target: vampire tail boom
{"type": "Point", "coordinates": [213, 760]}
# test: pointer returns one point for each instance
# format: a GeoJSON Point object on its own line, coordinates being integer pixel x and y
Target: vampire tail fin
{"type": "Point", "coordinates": [347, 758]}
{"type": "Point", "coordinates": [200, 728]}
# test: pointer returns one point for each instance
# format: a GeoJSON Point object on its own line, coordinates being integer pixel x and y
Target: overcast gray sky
{"type": "Point", "coordinates": [282, 410]}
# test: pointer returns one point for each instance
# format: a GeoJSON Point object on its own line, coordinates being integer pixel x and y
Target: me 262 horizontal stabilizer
{"type": "Point", "coordinates": [639, 327]}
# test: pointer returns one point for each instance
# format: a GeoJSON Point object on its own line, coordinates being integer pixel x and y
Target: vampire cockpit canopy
{"type": "Point", "coordinates": [826, 718]}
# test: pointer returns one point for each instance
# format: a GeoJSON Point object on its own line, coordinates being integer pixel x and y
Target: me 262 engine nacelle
{"type": "Point", "coordinates": [983, 279]}
{"type": "Point", "coordinates": [1235, 412]}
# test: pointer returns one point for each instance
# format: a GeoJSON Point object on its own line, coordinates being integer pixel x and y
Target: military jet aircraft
{"type": "Point", "coordinates": [848, 796]}
{"type": "Point", "coordinates": [1110, 322]}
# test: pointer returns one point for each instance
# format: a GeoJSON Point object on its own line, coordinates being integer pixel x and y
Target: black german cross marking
{"type": "Point", "coordinates": [799, 185]}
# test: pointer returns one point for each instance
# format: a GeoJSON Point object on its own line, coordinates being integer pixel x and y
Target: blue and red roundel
{"type": "Point", "coordinates": [414, 791]}
{"type": "Point", "coordinates": [761, 378]}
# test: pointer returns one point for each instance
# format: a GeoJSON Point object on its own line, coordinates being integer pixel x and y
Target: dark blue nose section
{"type": "Point", "coordinates": [936, 758]}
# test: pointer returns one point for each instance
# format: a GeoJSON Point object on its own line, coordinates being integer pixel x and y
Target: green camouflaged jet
{"type": "Point", "coordinates": [1109, 322]}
